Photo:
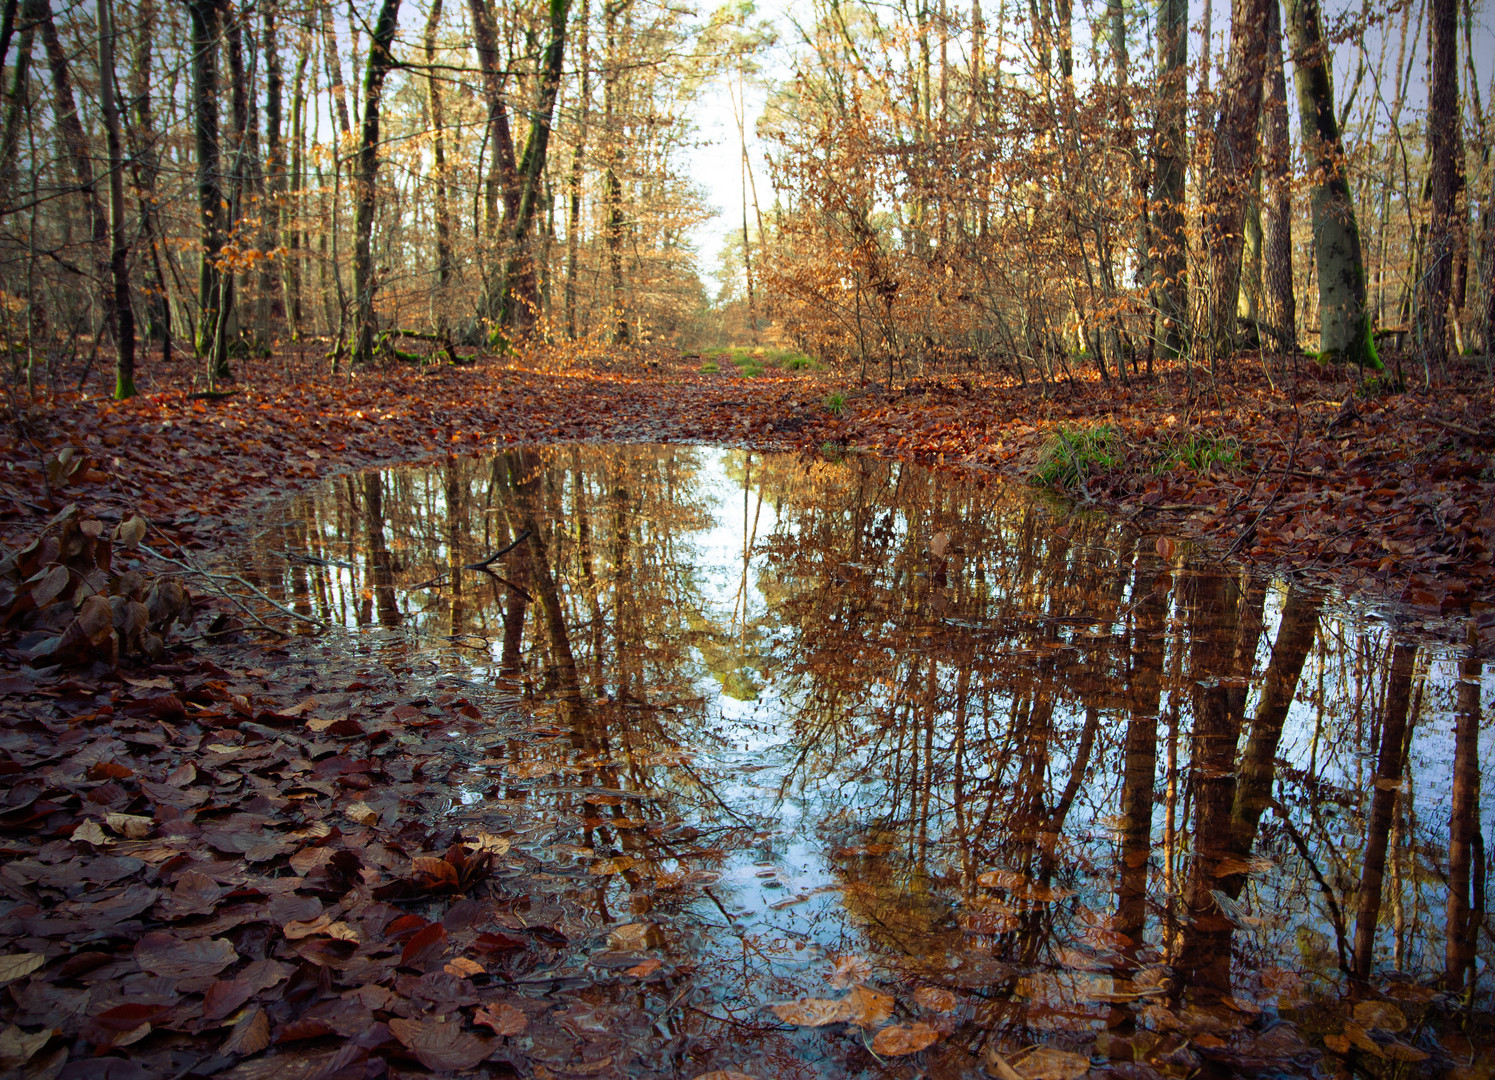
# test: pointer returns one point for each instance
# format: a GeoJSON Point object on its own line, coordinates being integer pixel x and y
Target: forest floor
{"type": "Point", "coordinates": [1385, 492]}
{"type": "Point", "coordinates": [225, 862]}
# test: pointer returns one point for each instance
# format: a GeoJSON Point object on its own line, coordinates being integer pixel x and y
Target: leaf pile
{"type": "Point", "coordinates": [65, 601]}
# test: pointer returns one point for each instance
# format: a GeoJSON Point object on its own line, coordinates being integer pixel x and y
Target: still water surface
{"type": "Point", "coordinates": [801, 726]}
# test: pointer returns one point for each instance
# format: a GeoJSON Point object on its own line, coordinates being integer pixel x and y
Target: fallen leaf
{"type": "Point", "coordinates": [501, 1018]}
{"type": "Point", "coordinates": [440, 1046]}
{"type": "Point", "coordinates": [162, 953]}
{"type": "Point", "coordinates": [900, 1039]}
{"type": "Point", "coordinates": [645, 969]}
{"type": "Point", "coordinates": [1048, 1063]}
{"type": "Point", "coordinates": [424, 946]}
{"type": "Point", "coordinates": [250, 1035]}
{"type": "Point", "coordinates": [809, 1012]}
{"type": "Point", "coordinates": [18, 965]}
{"type": "Point", "coordinates": [131, 826]}
{"type": "Point", "coordinates": [935, 999]}
{"type": "Point", "coordinates": [867, 1008]}
{"type": "Point", "coordinates": [464, 968]}
{"type": "Point", "coordinates": [91, 832]}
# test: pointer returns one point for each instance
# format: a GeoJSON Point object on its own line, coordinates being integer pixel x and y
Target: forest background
{"type": "Point", "coordinates": [254, 174]}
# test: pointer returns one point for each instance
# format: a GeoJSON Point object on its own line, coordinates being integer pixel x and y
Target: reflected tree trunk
{"type": "Point", "coordinates": [1140, 754]}
{"type": "Point", "coordinates": [1463, 832]}
{"type": "Point", "coordinates": [1389, 766]}
{"type": "Point", "coordinates": [380, 560]}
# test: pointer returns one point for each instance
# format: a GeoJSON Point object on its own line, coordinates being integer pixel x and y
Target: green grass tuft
{"type": "Point", "coordinates": [1197, 453]}
{"type": "Point", "coordinates": [834, 403]}
{"type": "Point", "coordinates": [1072, 454]}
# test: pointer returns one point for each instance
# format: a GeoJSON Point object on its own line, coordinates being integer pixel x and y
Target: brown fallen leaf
{"type": "Point", "coordinates": [130, 826]}
{"type": "Point", "coordinates": [726, 1074]}
{"type": "Point", "coordinates": [1049, 1063]}
{"type": "Point", "coordinates": [440, 1046]}
{"type": "Point", "coordinates": [935, 999]}
{"type": "Point", "coordinates": [322, 924]}
{"type": "Point", "coordinates": [900, 1039]}
{"type": "Point", "coordinates": [647, 968]}
{"type": "Point", "coordinates": [866, 1008]}
{"type": "Point", "coordinates": [634, 936]}
{"type": "Point", "coordinates": [17, 1047]}
{"type": "Point", "coordinates": [19, 965]}
{"type": "Point", "coordinates": [463, 968]}
{"type": "Point", "coordinates": [809, 1012]}
{"type": "Point", "coordinates": [162, 953]}
{"type": "Point", "coordinates": [250, 1035]}
{"type": "Point", "coordinates": [501, 1018]}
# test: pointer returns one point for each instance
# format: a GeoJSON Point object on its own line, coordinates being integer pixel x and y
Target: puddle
{"type": "Point", "coordinates": [793, 727]}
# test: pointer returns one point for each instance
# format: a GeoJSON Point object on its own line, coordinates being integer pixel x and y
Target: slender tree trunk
{"type": "Point", "coordinates": [15, 102]}
{"type": "Point", "coordinates": [1232, 165]}
{"type": "Point", "coordinates": [1445, 153]}
{"type": "Point", "coordinates": [1389, 766]}
{"type": "Point", "coordinates": [292, 206]}
{"type": "Point", "coordinates": [1277, 194]}
{"type": "Point", "coordinates": [438, 134]}
{"type": "Point", "coordinates": [578, 155]}
{"type": "Point", "coordinates": [519, 298]}
{"type": "Point", "coordinates": [275, 158]}
{"type": "Point", "coordinates": [1170, 154]}
{"type": "Point", "coordinates": [210, 205]}
{"type": "Point", "coordinates": [612, 183]}
{"type": "Point", "coordinates": [380, 61]}
{"type": "Point", "coordinates": [65, 108]}
{"type": "Point", "coordinates": [119, 248]}
{"type": "Point", "coordinates": [1344, 324]}
{"type": "Point", "coordinates": [1463, 833]}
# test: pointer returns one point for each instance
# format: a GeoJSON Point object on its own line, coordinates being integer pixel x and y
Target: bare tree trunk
{"type": "Point", "coordinates": [1232, 165]}
{"type": "Point", "coordinates": [1463, 833]}
{"type": "Point", "coordinates": [612, 183]}
{"type": "Point", "coordinates": [519, 295]}
{"type": "Point", "coordinates": [1170, 154]}
{"type": "Point", "coordinates": [578, 154]}
{"type": "Point", "coordinates": [291, 208]}
{"type": "Point", "coordinates": [1344, 325]}
{"type": "Point", "coordinates": [1389, 767]}
{"type": "Point", "coordinates": [1277, 194]}
{"type": "Point", "coordinates": [210, 205]}
{"type": "Point", "coordinates": [64, 103]}
{"type": "Point", "coordinates": [380, 61]}
{"type": "Point", "coordinates": [438, 134]}
{"type": "Point", "coordinates": [1445, 151]}
{"type": "Point", "coordinates": [273, 195]}
{"type": "Point", "coordinates": [119, 248]}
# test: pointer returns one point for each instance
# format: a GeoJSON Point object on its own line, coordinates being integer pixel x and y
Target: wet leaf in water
{"type": "Point", "coordinates": [726, 1074]}
{"type": "Point", "coordinates": [647, 968]}
{"type": "Point", "coordinates": [1048, 1063]}
{"type": "Point", "coordinates": [900, 1039]}
{"type": "Point", "coordinates": [867, 1008]}
{"type": "Point", "coordinates": [1380, 1014]}
{"type": "Point", "coordinates": [485, 841]}
{"type": "Point", "coordinates": [810, 1012]}
{"type": "Point", "coordinates": [440, 1046]}
{"type": "Point", "coordinates": [935, 999]}
{"type": "Point", "coordinates": [849, 970]}
{"type": "Point", "coordinates": [634, 936]}
{"type": "Point", "coordinates": [501, 1018]}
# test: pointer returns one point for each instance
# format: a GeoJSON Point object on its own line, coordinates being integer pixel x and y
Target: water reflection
{"type": "Point", "coordinates": [837, 723]}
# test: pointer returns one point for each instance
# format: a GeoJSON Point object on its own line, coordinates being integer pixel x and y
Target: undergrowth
{"type": "Point", "coordinates": [1072, 454]}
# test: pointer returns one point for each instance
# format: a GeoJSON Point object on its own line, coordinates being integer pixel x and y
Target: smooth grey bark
{"type": "Point", "coordinates": [1344, 323]}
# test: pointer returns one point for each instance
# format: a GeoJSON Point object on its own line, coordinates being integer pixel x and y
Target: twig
{"type": "Point", "coordinates": [215, 578]}
{"type": "Point", "coordinates": [1335, 914]}
{"type": "Point", "coordinates": [1250, 530]}
{"type": "Point", "coordinates": [499, 554]}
